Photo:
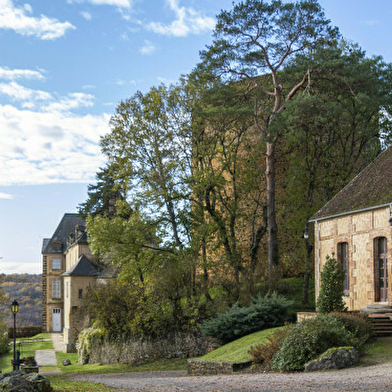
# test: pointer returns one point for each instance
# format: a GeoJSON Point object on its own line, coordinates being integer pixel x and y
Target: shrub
{"type": "Point", "coordinates": [358, 324]}
{"type": "Point", "coordinates": [331, 291]}
{"type": "Point", "coordinates": [4, 340]}
{"type": "Point", "coordinates": [306, 340]}
{"type": "Point", "coordinates": [264, 312]}
{"type": "Point", "coordinates": [263, 353]}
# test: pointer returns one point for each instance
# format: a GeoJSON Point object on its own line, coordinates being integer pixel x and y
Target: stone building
{"type": "Point", "coordinates": [69, 268]}
{"type": "Point", "coordinates": [355, 226]}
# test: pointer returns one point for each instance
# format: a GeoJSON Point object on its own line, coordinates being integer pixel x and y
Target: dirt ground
{"type": "Point", "coordinates": [366, 378]}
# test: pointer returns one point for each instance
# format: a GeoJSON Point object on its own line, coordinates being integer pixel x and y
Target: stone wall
{"type": "Point", "coordinates": [197, 367]}
{"type": "Point", "coordinates": [176, 345]}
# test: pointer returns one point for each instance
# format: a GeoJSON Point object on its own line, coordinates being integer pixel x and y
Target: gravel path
{"type": "Point", "coordinates": [370, 378]}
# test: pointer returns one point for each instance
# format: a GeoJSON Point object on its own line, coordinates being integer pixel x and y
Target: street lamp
{"type": "Point", "coordinates": [14, 310]}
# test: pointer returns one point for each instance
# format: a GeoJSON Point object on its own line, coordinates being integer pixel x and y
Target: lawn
{"type": "Point", "coordinates": [379, 351]}
{"type": "Point", "coordinates": [163, 364]}
{"type": "Point", "coordinates": [26, 350]}
{"type": "Point", "coordinates": [238, 350]}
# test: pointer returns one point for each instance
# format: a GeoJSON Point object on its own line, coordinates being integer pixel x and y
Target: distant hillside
{"type": "Point", "coordinates": [27, 290]}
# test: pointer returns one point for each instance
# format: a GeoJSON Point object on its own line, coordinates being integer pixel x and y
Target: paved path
{"type": "Point", "coordinates": [365, 379]}
{"type": "Point", "coordinates": [48, 357]}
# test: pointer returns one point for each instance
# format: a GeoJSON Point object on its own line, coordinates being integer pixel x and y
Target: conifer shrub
{"type": "Point", "coordinates": [308, 339]}
{"type": "Point", "coordinates": [262, 354]}
{"type": "Point", "coordinates": [264, 312]}
{"type": "Point", "coordinates": [331, 291]}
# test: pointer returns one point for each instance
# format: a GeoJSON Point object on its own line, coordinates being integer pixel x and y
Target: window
{"type": "Point", "coordinates": [380, 269]}
{"type": "Point", "coordinates": [66, 289]}
{"type": "Point", "coordinates": [56, 288]}
{"type": "Point", "coordinates": [56, 263]}
{"type": "Point", "coordinates": [343, 258]}
{"type": "Point", "coordinates": [80, 293]}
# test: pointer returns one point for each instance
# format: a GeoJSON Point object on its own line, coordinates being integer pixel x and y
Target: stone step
{"type": "Point", "coordinates": [381, 324]}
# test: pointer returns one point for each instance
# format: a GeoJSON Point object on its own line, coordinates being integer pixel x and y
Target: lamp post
{"type": "Point", "coordinates": [14, 310]}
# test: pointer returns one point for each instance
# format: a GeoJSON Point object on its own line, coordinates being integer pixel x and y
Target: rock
{"type": "Point", "coordinates": [66, 362]}
{"type": "Point", "coordinates": [18, 381]}
{"type": "Point", "coordinates": [334, 358]}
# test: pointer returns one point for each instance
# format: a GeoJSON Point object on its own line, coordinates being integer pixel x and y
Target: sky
{"type": "Point", "coordinates": [66, 64]}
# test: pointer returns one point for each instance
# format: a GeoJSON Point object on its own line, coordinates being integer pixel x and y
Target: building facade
{"type": "Point", "coordinates": [69, 268]}
{"type": "Point", "coordinates": [355, 227]}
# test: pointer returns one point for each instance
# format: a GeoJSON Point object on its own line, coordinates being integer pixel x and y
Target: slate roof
{"type": "Point", "coordinates": [64, 229]}
{"type": "Point", "coordinates": [83, 267]}
{"type": "Point", "coordinates": [372, 187]}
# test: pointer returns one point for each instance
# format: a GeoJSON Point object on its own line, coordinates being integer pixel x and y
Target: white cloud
{"type": "Point", "coordinates": [49, 147]}
{"type": "Point", "coordinates": [44, 101]}
{"type": "Point", "coordinates": [86, 15]}
{"type": "Point", "coordinates": [19, 93]}
{"type": "Point", "coordinates": [43, 27]}
{"type": "Point", "coordinates": [71, 101]}
{"type": "Point", "coordinates": [12, 74]}
{"type": "Point", "coordinates": [6, 196]}
{"type": "Point", "coordinates": [147, 48]}
{"type": "Point", "coordinates": [188, 21]}
{"type": "Point", "coordinates": [117, 3]}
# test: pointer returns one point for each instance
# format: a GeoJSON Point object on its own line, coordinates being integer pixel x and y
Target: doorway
{"type": "Point", "coordinates": [56, 320]}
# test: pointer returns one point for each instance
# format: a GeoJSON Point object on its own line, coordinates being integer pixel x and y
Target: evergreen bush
{"type": "Point", "coordinates": [358, 324]}
{"type": "Point", "coordinates": [264, 312]}
{"type": "Point", "coordinates": [331, 291]}
{"type": "Point", "coordinates": [308, 339]}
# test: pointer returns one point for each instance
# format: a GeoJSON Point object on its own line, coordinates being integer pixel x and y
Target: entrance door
{"type": "Point", "coordinates": [56, 320]}
{"type": "Point", "coordinates": [381, 269]}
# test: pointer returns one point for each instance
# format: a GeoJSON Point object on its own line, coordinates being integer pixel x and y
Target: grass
{"type": "Point", "coordinates": [238, 351]}
{"type": "Point", "coordinates": [26, 350]}
{"type": "Point", "coordinates": [379, 351]}
{"type": "Point", "coordinates": [62, 384]}
{"type": "Point", "coordinates": [163, 364]}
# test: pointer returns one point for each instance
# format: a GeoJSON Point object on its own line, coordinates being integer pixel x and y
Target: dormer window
{"type": "Point", "coordinates": [56, 246]}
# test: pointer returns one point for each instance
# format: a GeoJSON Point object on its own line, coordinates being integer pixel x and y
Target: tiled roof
{"type": "Point", "coordinates": [64, 229]}
{"type": "Point", "coordinates": [83, 267]}
{"type": "Point", "coordinates": [372, 187]}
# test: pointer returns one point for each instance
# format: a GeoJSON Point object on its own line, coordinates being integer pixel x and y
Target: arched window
{"type": "Point", "coordinates": [342, 254]}
{"type": "Point", "coordinates": [380, 269]}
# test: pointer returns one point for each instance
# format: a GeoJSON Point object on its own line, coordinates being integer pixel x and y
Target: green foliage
{"type": "Point", "coordinates": [358, 324]}
{"type": "Point", "coordinates": [262, 354]}
{"type": "Point", "coordinates": [308, 339]}
{"type": "Point", "coordinates": [4, 340]}
{"type": "Point", "coordinates": [103, 195]}
{"type": "Point", "coordinates": [331, 292]}
{"type": "Point", "coordinates": [87, 337]}
{"type": "Point", "coordinates": [129, 310]}
{"type": "Point", "coordinates": [264, 312]}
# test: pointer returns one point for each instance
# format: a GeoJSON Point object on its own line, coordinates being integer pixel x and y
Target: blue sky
{"type": "Point", "coordinates": [65, 64]}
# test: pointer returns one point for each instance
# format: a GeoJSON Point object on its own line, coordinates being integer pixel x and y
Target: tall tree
{"type": "Point", "coordinates": [255, 41]}
{"type": "Point", "coordinates": [333, 131]}
{"type": "Point", "coordinates": [227, 188]}
{"type": "Point", "coordinates": [102, 196]}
